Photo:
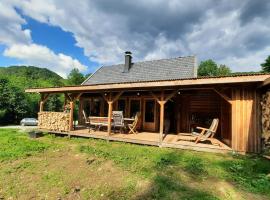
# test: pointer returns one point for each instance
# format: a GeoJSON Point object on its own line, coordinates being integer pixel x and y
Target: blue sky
{"type": "Point", "coordinates": [61, 34]}
{"type": "Point", "coordinates": [56, 39]}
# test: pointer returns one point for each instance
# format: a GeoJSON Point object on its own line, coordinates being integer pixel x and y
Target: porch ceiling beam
{"type": "Point", "coordinates": [68, 97]}
{"type": "Point", "coordinates": [163, 98]}
{"type": "Point", "coordinates": [224, 96]}
{"type": "Point", "coordinates": [171, 95]}
{"type": "Point", "coordinates": [76, 97]}
{"type": "Point", "coordinates": [44, 97]}
{"type": "Point", "coordinates": [109, 97]}
{"type": "Point", "coordinates": [117, 96]}
{"type": "Point", "coordinates": [154, 96]}
{"type": "Point", "coordinates": [104, 96]}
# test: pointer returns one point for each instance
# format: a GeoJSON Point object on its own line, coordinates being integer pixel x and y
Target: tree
{"type": "Point", "coordinates": [87, 75]}
{"type": "Point", "coordinates": [208, 68]}
{"type": "Point", "coordinates": [13, 104]}
{"type": "Point", "coordinates": [75, 77]}
{"type": "Point", "coordinates": [54, 103]}
{"type": "Point", "coordinates": [266, 65]}
{"type": "Point", "coordinates": [223, 70]}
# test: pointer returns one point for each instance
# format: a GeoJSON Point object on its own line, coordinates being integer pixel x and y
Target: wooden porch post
{"type": "Point", "coordinates": [162, 101]}
{"type": "Point", "coordinates": [71, 103]}
{"type": "Point", "coordinates": [72, 98]}
{"type": "Point", "coordinates": [161, 124]}
{"type": "Point", "coordinates": [110, 117]}
{"type": "Point", "coordinates": [41, 106]}
{"type": "Point", "coordinates": [43, 99]}
{"type": "Point", "coordinates": [110, 100]}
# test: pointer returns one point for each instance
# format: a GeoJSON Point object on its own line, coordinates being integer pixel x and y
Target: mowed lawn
{"type": "Point", "coordinates": [61, 168]}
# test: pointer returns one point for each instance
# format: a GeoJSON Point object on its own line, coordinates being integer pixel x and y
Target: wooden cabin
{"type": "Point", "coordinates": [164, 91]}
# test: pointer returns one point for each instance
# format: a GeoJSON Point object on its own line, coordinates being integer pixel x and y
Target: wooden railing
{"type": "Point", "coordinates": [54, 121]}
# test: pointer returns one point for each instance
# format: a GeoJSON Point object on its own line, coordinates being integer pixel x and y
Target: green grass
{"type": "Point", "coordinates": [246, 172]}
{"type": "Point", "coordinates": [14, 144]}
{"type": "Point", "coordinates": [54, 166]}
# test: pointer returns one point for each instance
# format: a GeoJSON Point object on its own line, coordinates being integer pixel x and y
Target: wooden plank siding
{"type": "Point", "coordinates": [245, 120]}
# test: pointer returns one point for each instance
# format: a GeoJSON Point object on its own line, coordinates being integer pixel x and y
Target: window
{"type": "Point", "coordinates": [122, 105]}
{"type": "Point", "coordinates": [135, 106]}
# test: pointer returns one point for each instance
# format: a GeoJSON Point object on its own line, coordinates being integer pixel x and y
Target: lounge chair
{"type": "Point", "coordinates": [118, 120]}
{"type": "Point", "coordinates": [133, 127]}
{"type": "Point", "coordinates": [206, 134]}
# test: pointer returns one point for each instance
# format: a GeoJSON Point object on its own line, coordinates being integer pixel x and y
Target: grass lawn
{"type": "Point", "coordinates": [60, 168]}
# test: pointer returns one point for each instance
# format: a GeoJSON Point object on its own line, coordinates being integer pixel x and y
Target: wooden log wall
{"type": "Point", "coordinates": [265, 103]}
{"type": "Point", "coordinates": [54, 121]}
{"type": "Point", "coordinates": [246, 120]}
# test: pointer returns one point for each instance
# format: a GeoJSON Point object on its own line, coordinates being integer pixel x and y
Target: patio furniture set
{"type": "Point", "coordinates": [118, 122]}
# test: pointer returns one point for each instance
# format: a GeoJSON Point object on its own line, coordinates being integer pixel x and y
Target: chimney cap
{"type": "Point", "coordinates": [128, 53]}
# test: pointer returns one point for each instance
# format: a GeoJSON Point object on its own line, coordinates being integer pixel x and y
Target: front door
{"type": "Point", "coordinates": [149, 115]}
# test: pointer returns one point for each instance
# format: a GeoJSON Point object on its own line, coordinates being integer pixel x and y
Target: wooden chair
{"type": "Point", "coordinates": [132, 127]}
{"type": "Point", "coordinates": [204, 135]}
{"type": "Point", "coordinates": [118, 120]}
{"type": "Point", "coordinates": [86, 121]}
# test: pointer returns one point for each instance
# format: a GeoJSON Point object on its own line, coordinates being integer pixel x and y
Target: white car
{"type": "Point", "coordinates": [29, 122]}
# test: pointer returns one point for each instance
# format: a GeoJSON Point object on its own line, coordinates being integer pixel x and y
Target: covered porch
{"type": "Point", "coordinates": [186, 104]}
{"type": "Point", "coordinates": [164, 116]}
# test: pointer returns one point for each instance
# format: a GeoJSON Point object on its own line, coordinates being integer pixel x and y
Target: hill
{"type": "Point", "coordinates": [15, 104]}
{"type": "Point", "coordinates": [30, 76]}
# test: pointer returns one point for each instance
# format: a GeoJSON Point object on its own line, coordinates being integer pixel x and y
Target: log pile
{"type": "Point", "coordinates": [265, 103]}
{"type": "Point", "coordinates": [54, 121]}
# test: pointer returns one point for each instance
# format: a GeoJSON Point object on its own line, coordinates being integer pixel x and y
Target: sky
{"type": "Point", "coordinates": [86, 34]}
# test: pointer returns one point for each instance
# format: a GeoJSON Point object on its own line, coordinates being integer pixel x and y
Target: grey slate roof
{"type": "Point", "coordinates": [156, 70]}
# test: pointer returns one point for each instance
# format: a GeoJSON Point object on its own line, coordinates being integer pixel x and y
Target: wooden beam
{"type": "Point", "coordinates": [225, 97]}
{"type": "Point", "coordinates": [41, 106]}
{"type": "Point", "coordinates": [76, 97]}
{"type": "Point", "coordinates": [173, 83]}
{"type": "Point", "coordinates": [105, 96]}
{"type": "Point", "coordinates": [154, 96]}
{"type": "Point", "coordinates": [171, 95]}
{"type": "Point", "coordinates": [44, 97]}
{"type": "Point", "coordinates": [117, 96]}
{"type": "Point", "coordinates": [161, 124]}
{"type": "Point", "coordinates": [110, 117]}
{"type": "Point", "coordinates": [68, 97]}
{"type": "Point", "coordinates": [71, 103]}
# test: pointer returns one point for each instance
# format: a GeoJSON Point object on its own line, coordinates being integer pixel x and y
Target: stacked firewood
{"type": "Point", "coordinates": [265, 103]}
{"type": "Point", "coordinates": [54, 121]}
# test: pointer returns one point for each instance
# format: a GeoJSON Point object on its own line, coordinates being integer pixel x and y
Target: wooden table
{"type": "Point", "coordinates": [99, 122]}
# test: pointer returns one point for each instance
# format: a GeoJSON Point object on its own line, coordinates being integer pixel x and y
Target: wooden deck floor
{"type": "Point", "coordinates": [147, 138]}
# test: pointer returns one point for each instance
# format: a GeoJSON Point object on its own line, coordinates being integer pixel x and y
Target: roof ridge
{"type": "Point", "coordinates": [166, 58]}
{"type": "Point", "coordinates": [153, 60]}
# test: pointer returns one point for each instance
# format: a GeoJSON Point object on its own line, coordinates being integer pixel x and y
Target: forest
{"type": "Point", "coordinates": [15, 104]}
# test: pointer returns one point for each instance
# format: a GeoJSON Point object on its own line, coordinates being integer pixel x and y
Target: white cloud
{"type": "Point", "coordinates": [19, 44]}
{"type": "Point", "coordinates": [10, 23]}
{"type": "Point", "coordinates": [43, 57]}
